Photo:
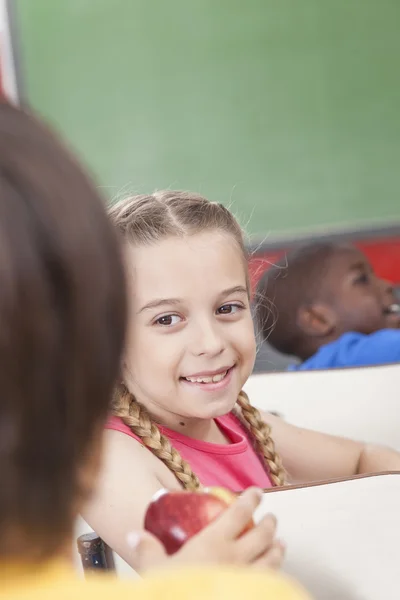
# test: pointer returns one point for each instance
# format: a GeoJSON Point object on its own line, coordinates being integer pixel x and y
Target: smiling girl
{"type": "Point", "coordinates": [180, 417]}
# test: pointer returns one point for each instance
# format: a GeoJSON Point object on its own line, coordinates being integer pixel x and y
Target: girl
{"type": "Point", "coordinates": [180, 417]}
{"type": "Point", "coordinates": [62, 324]}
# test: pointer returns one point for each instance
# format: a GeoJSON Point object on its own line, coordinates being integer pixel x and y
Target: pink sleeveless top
{"type": "Point", "coordinates": [235, 466]}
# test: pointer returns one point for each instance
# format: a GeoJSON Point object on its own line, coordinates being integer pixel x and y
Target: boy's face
{"type": "Point", "coordinates": [360, 300]}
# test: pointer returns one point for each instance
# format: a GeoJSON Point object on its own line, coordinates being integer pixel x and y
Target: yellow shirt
{"type": "Point", "coordinates": [59, 582]}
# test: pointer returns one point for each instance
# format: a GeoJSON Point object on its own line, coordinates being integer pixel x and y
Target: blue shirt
{"type": "Point", "coordinates": [355, 350]}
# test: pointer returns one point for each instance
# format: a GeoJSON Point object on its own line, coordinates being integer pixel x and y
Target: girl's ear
{"type": "Point", "coordinates": [316, 320]}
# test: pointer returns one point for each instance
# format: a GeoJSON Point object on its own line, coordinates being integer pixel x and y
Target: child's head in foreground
{"type": "Point", "coordinates": [190, 344]}
{"type": "Point", "coordinates": [62, 322]}
{"type": "Point", "coordinates": [319, 292]}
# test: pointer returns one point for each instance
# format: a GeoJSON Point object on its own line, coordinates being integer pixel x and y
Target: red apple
{"type": "Point", "coordinates": [174, 517]}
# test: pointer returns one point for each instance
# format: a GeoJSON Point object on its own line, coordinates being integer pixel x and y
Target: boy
{"type": "Point", "coordinates": [324, 304]}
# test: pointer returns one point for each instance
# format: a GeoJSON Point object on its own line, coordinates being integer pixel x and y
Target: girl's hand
{"type": "Point", "coordinates": [221, 542]}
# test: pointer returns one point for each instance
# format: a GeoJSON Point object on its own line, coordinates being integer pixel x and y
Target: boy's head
{"type": "Point", "coordinates": [319, 292]}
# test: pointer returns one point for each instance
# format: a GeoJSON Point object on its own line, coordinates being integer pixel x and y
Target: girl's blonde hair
{"type": "Point", "coordinates": [144, 220]}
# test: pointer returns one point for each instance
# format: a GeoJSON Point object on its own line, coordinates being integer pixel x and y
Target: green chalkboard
{"type": "Point", "coordinates": [288, 110]}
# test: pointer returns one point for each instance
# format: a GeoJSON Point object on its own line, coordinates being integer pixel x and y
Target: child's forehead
{"type": "Point", "coordinates": [172, 250]}
{"type": "Point", "coordinates": [183, 266]}
{"type": "Point", "coordinates": [346, 259]}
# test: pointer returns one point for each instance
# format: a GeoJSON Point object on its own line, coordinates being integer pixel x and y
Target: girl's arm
{"type": "Point", "coordinates": [129, 478]}
{"type": "Point", "coordinates": [313, 456]}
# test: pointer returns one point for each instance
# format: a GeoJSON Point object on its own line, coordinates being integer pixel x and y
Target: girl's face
{"type": "Point", "coordinates": [190, 344]}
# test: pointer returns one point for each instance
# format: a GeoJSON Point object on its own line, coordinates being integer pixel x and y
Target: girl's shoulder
{"type": "Point", "coordinates": [130, 447]}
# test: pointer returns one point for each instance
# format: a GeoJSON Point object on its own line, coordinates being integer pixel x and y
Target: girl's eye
{"type": "Point", "coordinates": [229, 309]}
{"type": "Point", "coordinates": [168, 320]}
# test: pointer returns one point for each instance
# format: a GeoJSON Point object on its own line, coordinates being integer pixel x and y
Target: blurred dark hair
{"type": "Point", "coordinates": [294, 281]}
{"type": "Point", "coordinates": [62, 323]}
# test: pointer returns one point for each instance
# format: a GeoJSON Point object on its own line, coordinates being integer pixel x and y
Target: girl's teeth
{"type": "Point", "coordinates": [213, 379]}
{"type": "Point", "coordinates": [219, 377]}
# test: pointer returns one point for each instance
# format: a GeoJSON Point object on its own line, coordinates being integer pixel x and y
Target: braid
{"type": "Point", "coordinates": [135, 416]}
{"type": "Point", "coordinates": [260, 432]}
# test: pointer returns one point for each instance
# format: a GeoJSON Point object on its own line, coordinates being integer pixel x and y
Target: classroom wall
{"type": "Point", "coordinates": [288, 111]}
